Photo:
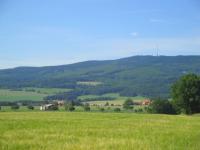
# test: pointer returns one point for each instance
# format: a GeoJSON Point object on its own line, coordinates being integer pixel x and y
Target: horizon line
{"type": "Point", "coordinates": [97, 61]}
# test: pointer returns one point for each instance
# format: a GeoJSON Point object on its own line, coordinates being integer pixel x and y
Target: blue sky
{"type": "Point", "coordinates": [53, 32]}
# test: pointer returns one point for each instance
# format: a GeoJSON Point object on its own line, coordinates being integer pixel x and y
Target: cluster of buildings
{"type": "Point", "coordinates": [55, 104]}
{"type": "Point", "coordinates": [58, 103]}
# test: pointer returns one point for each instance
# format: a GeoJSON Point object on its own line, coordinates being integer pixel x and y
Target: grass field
{"type": "Point", "coordinates": [8, 95]}
{"type": "Point", "coordinates": [34, 94]}
{"type": "Point", "coordinates": [119, 99]}
{"type": "Point", "coordinates": [97, 131]}
{"type": "Point", "coordinates": [49, 91]}
{"type": "Point", "coordinates": [114, 95]}
{"type": "Point", "coordinates": [37, 94]}
{"type": "Point", "coordinates": [90, 83]}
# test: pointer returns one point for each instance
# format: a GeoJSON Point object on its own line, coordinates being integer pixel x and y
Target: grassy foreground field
{"type": "Point", "coordinates": [97, 131]}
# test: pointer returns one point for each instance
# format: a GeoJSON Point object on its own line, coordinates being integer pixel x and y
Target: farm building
{"type": "Point", "coordinates": [60, 102]}
{"type": "Point", "coordinates": [48, 107]}
{"type": "Point", "coordinates": [146, 102]}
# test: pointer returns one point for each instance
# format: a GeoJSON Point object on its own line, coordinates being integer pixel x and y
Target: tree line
{"type": "Point", "coordinates": [185, 98]}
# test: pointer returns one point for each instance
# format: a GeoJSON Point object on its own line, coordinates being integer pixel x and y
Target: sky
{"type": "Point", "coordinates": [56, 32]}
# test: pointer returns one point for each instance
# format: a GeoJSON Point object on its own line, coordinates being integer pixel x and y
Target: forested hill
{"type": "Point", "coordinates": [141, 75]}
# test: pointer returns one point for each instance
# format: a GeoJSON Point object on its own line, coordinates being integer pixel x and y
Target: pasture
{"type": "Point", "coordinates": [90, 130]}
{"type": "Point", "coordinates": [9, 95]}
{"type": "Point", "coordinates": [119, 100]}
{"type": "Point", "coordinates": [33, 94]}
{"type": "Point", "coordinates": [49, 91]}
{"type": "Point", "coordinates": [89, 83]}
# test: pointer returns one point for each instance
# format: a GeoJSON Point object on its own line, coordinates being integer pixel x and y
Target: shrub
{"type": "Point", "coordinates": [54, 107]}
{"type": "Point", "coordinates": [15, 107]}
{"type": "Point", "coordinates": [106, 104]}
{"type": "Point", "coordinates": [30, 107]}
{"type": "Point", "coordinates": [117, 109]}
{"type": "Point", "coordinates": [140, 110]}
{"type": "Point", "coordinates": [69, 106]}
{"type": "Point", "coordinates": [128, 104]}
{"type": "Point", "coordinates": [146, 109]}
{"type": "Point", "coordinates": [72, 108]}
{"type": "Point", "coordinates": [102, 109]}
{"type": "Point", "coordinates": [86, 107]}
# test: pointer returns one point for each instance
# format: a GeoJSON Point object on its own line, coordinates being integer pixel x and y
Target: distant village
{"type": "Point", "coordinates": [60, 103]}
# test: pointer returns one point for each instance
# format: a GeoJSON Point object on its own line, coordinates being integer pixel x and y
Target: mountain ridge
{"type": "Point", "coordinates": [140, 75]}
{"type": "Point", "coordinates": [98, 61]}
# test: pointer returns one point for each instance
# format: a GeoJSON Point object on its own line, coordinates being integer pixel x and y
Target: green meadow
{"type": "Point", "coordinates": [37, 94]}
{"type": "Point", "coordinates": [34, 94]}
{"type": "Point", "coordinates": [98, 131]}
{"type": "Point", "coordinates": [49, 91]}
{"type": "Point", "coordinates": [90, 83]}
{"type": "Point", "coordinates": [9, 95]}
{"type": "Point", "coordinates": [118, 99]}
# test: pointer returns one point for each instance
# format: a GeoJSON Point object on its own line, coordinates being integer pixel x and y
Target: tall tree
{"type": "Point", "coordinates": [128, 104]}
{"type": "Point", "coordinates": [186, 94]}
{"type": "Point", "coordinates": [161, 106]}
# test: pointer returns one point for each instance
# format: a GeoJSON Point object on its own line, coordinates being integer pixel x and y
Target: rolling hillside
{"type": "Point", "coordinates": [137, 75]}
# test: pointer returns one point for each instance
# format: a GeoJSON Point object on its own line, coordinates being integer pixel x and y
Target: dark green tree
{"type": "Point", "coordinates": [86, 107]}
{"type": "Point", "coordinates": [102, 109]}
{"type": "Point", "coordinates": [30, 107]}
{"type": "Point", "coordinates": [128, 104]}
{"type": "Point", "coordinates": [186, 94]}
{"type": "Point", "coordinates": [161, 106]}
{"type": "Point", "coordinates": [106, 104]}
{"type": "Point", "coordinates": [117, 109]}
{"type": "Point", "coordinates": [15, 107]}
{"type": "Point", "coordinates": [69, 106]}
